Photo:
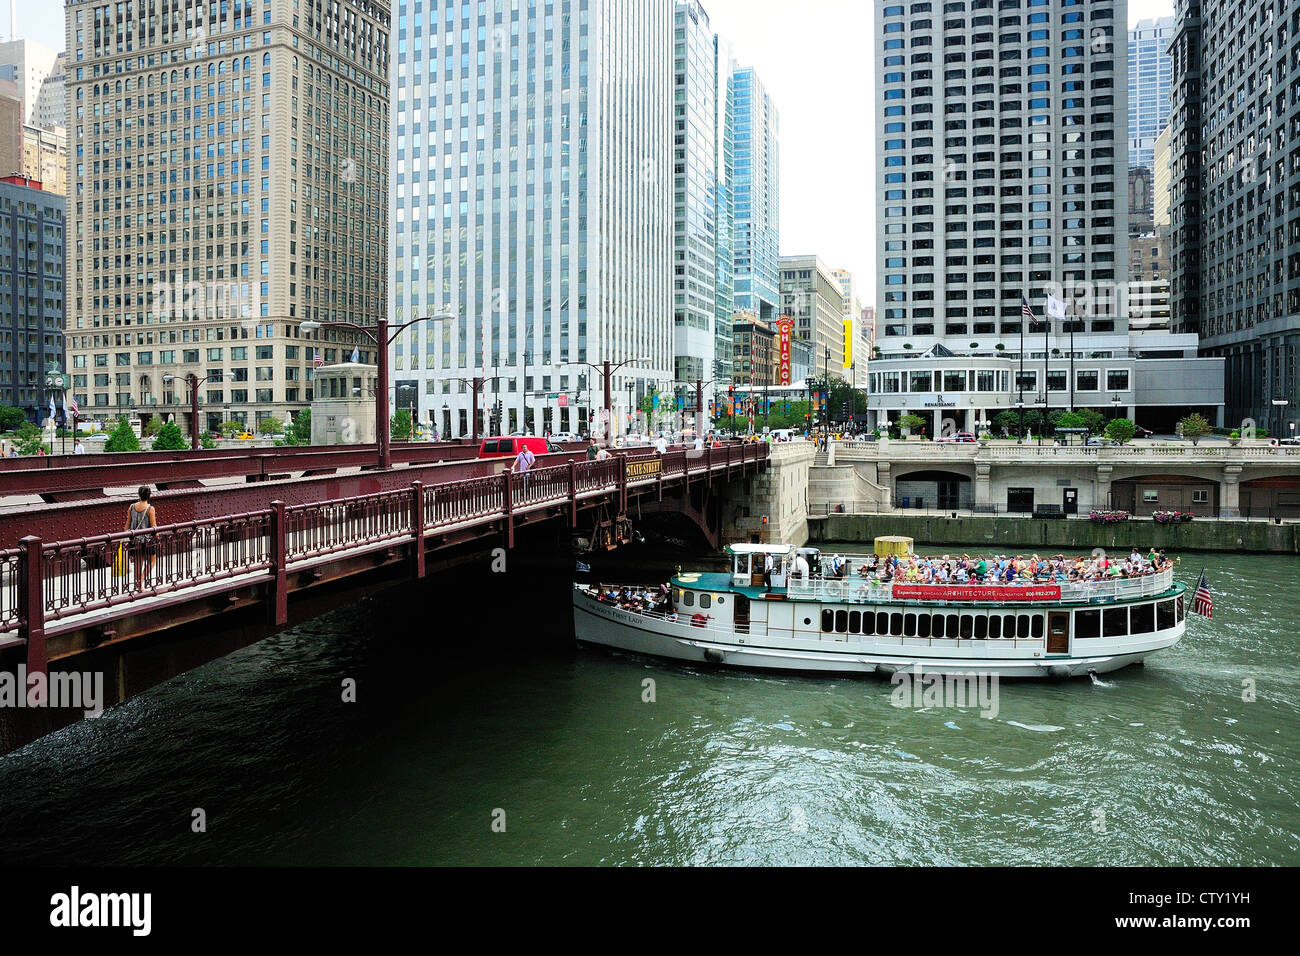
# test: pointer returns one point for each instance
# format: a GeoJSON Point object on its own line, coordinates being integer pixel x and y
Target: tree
{"type": "Point", "coordinates": [1194, 427]}
{"type": "Point", "coordinates": [910, 421]}
{"type": "Point", "coordinates": [152, 426]}
{"type": "Point", "coordinates": [205, 441]}
{"type": "Point", "coordinates": [301, 430]}
{"type": "Point", "coordinates": [169, 438]}
{"type": "Point", "coordinates": [122, 438]}
{"type": "Point", "coordinates": [230, 428]}
{"type": "Point", "coordinates": [270, 426]}
{"type": "Point", "coordinates": [28, 439]}
{"type": "Point", "coordinates": [400, 426]}
{"type": "Point", "coordinates": [11, 419]}
{"type": "Point", "coordinates": [1120, 430]}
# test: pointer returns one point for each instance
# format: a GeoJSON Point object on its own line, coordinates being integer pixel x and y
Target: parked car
{"type": "Point", "coordinates": [962, 437]}
{"type": "Point", "coordinates": [1097, 440]}
{"type": "Point", "coordinates": [1140, 432]}
{"type": "Point", "coordinates": [245, 436]}
{"type": "Point", "coordinates": [510, 445]}
{"type": "Point", "coordinates": [98, 436]}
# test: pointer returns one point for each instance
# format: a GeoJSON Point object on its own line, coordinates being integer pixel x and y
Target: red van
{"type": "Point", "coordinates": [509, 446]}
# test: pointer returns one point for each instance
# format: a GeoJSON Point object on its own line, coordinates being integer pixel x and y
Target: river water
{"type": "Point", "coordinates": [465, 725]}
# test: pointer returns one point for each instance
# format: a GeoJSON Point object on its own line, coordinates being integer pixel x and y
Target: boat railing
{"type": "Point", "coordinates": [855, 589]}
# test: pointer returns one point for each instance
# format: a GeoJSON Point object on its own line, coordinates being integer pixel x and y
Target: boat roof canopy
{"type": "Point", "coordinates": [748, 548]}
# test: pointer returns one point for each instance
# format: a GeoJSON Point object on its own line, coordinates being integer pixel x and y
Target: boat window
{"type": "Point", "coordinates": [909, 625]}
{"type": "Point", "coordinates": [923, 624]}
{"type": "Point", "coordinates": [721, 599]}
{"type": "Point", "coordinates": [706, 600]}
{"type": "Point", "coordinates": [506, 445]}
{"type": "Point", "coordinates": [882, 623]}
{"type": "Point", "coordinates": [855, 622]}
{"type": "Point", "coordinates": [1087, 623]}
{"type": "Point", "coordinates": [1164, 615]}
{"type": "Point", "coordinates": [981, 627]}
{"type": "Point", "coordinates": [896, 624]}
{"type": "Point", "coordinates": [967, 626]}
{"type": "Point", "coordinates": [828, 620]}
{"type": "Point", "coordinates": [868, 622]}
{"type": "Point", "coordinates": [1114, 622]}
{"type": "Point", "coordinates": [952, 625]}
{"type": "Point", "coordinates": [1142, 618]}
{"type": "Point", "coordinates": [995, 626]}
{"type": "Point", "coordinates": [1178, 603]}
{"type": "Point", "coordinates": [1036, 625]}
{"type": "Point", "coordinates": [1009, 626]}
{"type": "Point", "coordinates": [1022, 626]}
{"type": "Point", "coordinates": [841, 621]}
{"type": "Point", "coordinates": [688, 599]}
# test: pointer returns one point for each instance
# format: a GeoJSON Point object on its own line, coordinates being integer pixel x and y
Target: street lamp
{"type": "Point", "coordinates": [607, 371]}
{"type": "Point", "coordinates": [194, 383]}
{"type": "Point", "coordinates": [381, 338]}
{"type": "Point", "coordinates": [1020, 416]}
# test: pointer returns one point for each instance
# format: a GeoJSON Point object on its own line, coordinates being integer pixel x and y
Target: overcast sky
{"type": "Point", "coordinates": [815, 58]}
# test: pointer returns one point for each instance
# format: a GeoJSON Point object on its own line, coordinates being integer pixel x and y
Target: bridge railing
{"type": "Point", "coordinates": [44, 582]}
{"type": "Point", "coordinates": [94, 573]}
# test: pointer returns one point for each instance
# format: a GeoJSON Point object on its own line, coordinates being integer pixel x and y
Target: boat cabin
{"type": "Point", "coordinates": [749, 560]}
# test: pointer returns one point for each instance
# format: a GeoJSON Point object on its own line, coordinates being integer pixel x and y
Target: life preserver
{"type": "Point", "coordinates": [698, 620]}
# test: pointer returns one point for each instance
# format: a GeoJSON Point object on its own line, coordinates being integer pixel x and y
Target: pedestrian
{"type": "Point", "coordinates": [41, 451]}
{"type": "Point", "coordinates": [78, 448]}
{"type": "Point", "coordinates": [767, 570]}
{"type": "Point", "coordinates": [592, 450]}
{"type": "Point", "coordinates": [661, 445]}
{"type": "Point", "coordinates": [699, 443]}
{"type": "Point", "coordinates": [523, 461]}
{"type": "Point", "coordinates": [139, 516]}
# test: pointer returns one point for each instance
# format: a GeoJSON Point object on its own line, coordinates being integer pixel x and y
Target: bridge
{"type": "Point", "coordinates": [62, 596]}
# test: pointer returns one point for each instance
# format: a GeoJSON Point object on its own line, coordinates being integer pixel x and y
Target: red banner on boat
{"type": "Point", "coordinates": [977, 592]}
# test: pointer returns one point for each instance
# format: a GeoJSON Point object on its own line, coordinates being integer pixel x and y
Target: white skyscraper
{"type": "Point", "coordinates": [533, 178]}
{"type": "Point", "coordinates": [27, 63]}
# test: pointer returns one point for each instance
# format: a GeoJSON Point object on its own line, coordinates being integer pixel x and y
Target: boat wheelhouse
{"type": "Point", "coordinates": [783, 608]}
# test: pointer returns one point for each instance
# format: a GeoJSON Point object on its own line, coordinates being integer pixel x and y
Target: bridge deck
{"type": "Point", "coordinates": [53, 588]}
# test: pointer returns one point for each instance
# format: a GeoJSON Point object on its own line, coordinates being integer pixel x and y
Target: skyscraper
{"type": "Point", "coordinates": [533, 176]}
{"type": "Point", "coordinates": [757, 196]}
{"type": "Point", "coordinates": [695, 187]}
{"type": "Point", "coordinates": [1235, 198]}
{"type": "Point", "coordinates": [28, 64]}
{"type": "Point", "coordinates": [1004, 178]}
{"type": "Point", "coordinates": [1148, 87]}
{"type": "Point", "coordinates": [229, 181]}
{"type": "Point", "coordinates": [725, 216]}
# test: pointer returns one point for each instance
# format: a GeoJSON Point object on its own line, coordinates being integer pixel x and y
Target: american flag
{"type": "Point", "coordinates": [1203, 604]}
{"type": "Point", "coordinates": [1025, 310]}
{"type": "Point", "coordinates": [70, 405]}
{"type": "Point", "coordinates": [315, 358]}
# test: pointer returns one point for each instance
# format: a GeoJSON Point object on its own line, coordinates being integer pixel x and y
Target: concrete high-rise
{"type": "Point", "coordinates": [1003, 137]}
{"type": "Point", "coordinates": [1148, 87]}
{"type": "Point", "coordinates": [811, 294]}
{"type": "Point", "coordinates": [28, 64]}
{"type": "Point", "coordinates": [229, 180]}
{"type": "Point", "coordinates": [757, 196]}
{"type": "Point", "coordinates": [533, 176]}
{"type": "Point", "coordinates": [1235, 199]}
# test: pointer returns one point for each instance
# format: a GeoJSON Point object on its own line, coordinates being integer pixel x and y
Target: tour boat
{"type": "Point", "coordinates": [811, 622]}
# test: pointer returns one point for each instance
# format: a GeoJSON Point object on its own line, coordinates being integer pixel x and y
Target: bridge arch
{"type": "Point", "coordinates": [1277, 496]}
{"type": "Point", "coordinates": [934, 488]}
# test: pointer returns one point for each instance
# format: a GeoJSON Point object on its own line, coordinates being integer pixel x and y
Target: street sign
{"type": "Point", "coordinates": [552, 395]}
{"type": "Point", "coordinates": [564, 400]}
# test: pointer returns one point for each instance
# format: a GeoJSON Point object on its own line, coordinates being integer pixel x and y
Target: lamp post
{"type": "Point", "coordinates": [1020, 416]}
{"type": "Point", "coordinates": [607, 371]}
{"type": "Point", "coordinates": [382, 338]}
{"type": "Point", "coordinates": [1042, 424]}
{"type": "Point", "coordinates": [1279, 403]}
{"type": "Point", "coordinates": [194, 383]}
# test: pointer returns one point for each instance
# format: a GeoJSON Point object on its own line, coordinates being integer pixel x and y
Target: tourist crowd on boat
{"type": "Point", "coordinates": [638, 599]}
{"type": "Point", "coordinates": [998, 569]}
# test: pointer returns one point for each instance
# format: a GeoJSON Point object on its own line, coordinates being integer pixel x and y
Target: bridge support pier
{"type": "Point", "coordinates": [1230, 492]}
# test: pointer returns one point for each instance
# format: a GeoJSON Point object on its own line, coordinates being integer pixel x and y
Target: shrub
{"type": "Point", "coordinates": [1172, 517]}
{"type": "Point", "coordinates": [169, 438]}
{"type": "Point", "coordinates": [28, 439]}
{"type": "Point", "coordinates": [270, 426]}
{"type": "Point", "coordinates": [400, 426]}
{"type": "Point", "coordinates": [205, 441]}
{"type": "Point", "coordinates": [1193, 427]}
{"type": "Point", "coordinates": [152, 427]}
{"type": "Point", "coordinates": [1120, 430]}
{"type": "Point", "coordinates": [11, 419]}
{"type": "Point", "coordinates": [122, 438]}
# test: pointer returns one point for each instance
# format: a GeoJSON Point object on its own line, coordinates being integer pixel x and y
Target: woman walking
{"type": "Point", "coordinates": [140, 516]}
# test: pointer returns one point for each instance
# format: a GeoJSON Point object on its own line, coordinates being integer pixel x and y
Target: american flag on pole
{"type": "Point", "coordinates": [1025, 310]}
{"type": "Point", "coordinates": [1203, 604]}
{"type": "Point", "coordinates": [70, 405]}
{"type": "Point", "coordinates": [315, 358]}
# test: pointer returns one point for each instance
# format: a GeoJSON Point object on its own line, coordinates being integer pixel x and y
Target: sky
{"type": "Point", "coordinates": [815, 58]}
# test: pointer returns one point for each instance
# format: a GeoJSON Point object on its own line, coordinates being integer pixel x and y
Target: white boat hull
{"type": "Point", "coordinates": [602, 624]}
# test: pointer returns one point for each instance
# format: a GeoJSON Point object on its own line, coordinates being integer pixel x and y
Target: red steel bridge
{"type": "Point", "coordinates": [61, 594]}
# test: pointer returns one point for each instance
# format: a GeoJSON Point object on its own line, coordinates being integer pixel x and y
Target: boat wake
{"type": "Point", "coordinates": [1098, 682]}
